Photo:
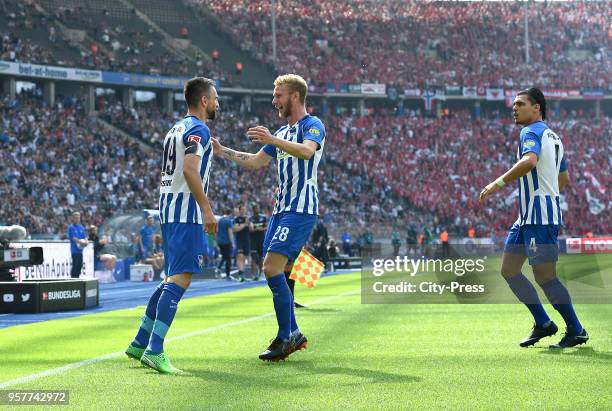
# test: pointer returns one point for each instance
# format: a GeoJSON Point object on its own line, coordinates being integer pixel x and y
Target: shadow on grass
{"type": "Point", "coordinates": [307, 367]}
{"type": "Point", "coordinates": [587, 352]}
{"type": "Point", "coordinates": [317, 310]}
{"type": "Point", "coordinates": [298, 370]}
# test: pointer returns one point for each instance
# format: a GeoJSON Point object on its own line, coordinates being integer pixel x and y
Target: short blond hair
{"type": "Point", "coordinates": [295, 83]}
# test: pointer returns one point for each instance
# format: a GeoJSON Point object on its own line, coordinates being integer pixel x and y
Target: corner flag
{"type": "Point", "coordinates": [307, 269]}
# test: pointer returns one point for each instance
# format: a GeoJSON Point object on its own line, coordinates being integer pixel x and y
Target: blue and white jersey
{"type": "Point", "coordinates": [176, 203]}
{"type": "Point", "coordinates": [297, 178]}
{"type": "Point", "coordinates": [539, 188]}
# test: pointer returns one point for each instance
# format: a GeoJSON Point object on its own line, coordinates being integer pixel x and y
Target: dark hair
{"type": "Point", "coordinates": [535, 96]}
{"type": "Point", "coordinates": [196, 88]}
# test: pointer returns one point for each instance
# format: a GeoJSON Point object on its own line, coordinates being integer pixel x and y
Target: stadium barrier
{"type": "Point", "coordinates": [586, 245]}
{"type": "Point", "coordinates": [341, 263]}
{"type": "Point", "coordinates": [358, 90]}
{"type": "Point", "coordinates": [48, 296]}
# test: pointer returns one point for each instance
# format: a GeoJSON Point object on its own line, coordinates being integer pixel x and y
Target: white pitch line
{"type": "Point", "coordinates": [79, 364]}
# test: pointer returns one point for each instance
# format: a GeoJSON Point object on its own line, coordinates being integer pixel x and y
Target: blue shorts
{"type": "Point", "coordinates": [287, 233]}
{"type": "Point", "coordinates": [537, 242]}
{"type": "Point", "coordinates": [184, 247]}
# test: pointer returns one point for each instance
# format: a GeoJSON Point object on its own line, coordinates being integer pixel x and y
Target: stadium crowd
{"type": "Point", "coordinates": [413, 44]}
{"type": "Point", "coordinates": [144, 121]}
{"type": "Point", "coordinates": [57, 159]}
{"type": "Point", "coordinates": [443, 164]}
{"type": "Point", "coordinates": [407, 44]}
{"type": "Point", "coordinates": [65, 160]}
{"type": "Point", "coordinates": [114, 45]}
{"type": "Point", "coordinates": [346, 201]}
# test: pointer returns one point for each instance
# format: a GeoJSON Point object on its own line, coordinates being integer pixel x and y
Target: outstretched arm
{"type": "Point", "coordinates": [304, 150]}
{"type": "Point", "coordinates": [248, 160]}
{"type": "Point", "coordinates": [518, 170]}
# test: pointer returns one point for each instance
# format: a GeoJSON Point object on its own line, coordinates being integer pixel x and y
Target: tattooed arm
{"type": "Point", "coordinates": [248, 160]}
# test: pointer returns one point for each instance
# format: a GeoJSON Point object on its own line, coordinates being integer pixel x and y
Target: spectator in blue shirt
{"type": "Point", "coordinates": [346, 243]}
{"type": "Point", "coordinates": [78, 240]}
{"type": "Point", "coordinates": [135, 251]}
{"type": "Point", "coordinates": [146, 236]}
{"type": "Point", "coordinates": [225, 240]}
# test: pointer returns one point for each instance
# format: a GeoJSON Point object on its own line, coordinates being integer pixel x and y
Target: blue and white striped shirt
{"type": "Point", "coordinates": [176, 203]}
{"type": "Point", "coordinates": [539, 188]}
{"type": "Point", "coordinates": [297, 178]}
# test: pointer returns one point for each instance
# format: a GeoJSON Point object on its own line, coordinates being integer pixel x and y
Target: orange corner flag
{"type": "Point", "coordinates": [306, 269]}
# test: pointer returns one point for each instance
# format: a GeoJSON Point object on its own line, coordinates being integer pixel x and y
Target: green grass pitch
{"type": "Point", "coordinates": [360, 356]}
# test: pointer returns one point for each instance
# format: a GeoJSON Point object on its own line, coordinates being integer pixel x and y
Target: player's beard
{"type": "Point", "coordinates": [211, 114]}
{"type": "Point", "coordinates": [286, 111]}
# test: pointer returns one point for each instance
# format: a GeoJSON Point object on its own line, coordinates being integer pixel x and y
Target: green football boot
{"type": "Point", "coordinates": [134, 352]}
{"type": "Point", "coordinates": [159, 362]}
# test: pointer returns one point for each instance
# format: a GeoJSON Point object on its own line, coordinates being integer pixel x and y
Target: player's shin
{"type": "Point", "coordinates": [281, 296]}
{"type": "Point", "coordinates": [527, 294]}
{"type": "Point", "coordinates": [166, 310]}
{"type": "Point", "coordinates": [144, 332]}
{"type": "Point", "coordinates": [560, 299]}
{"type": "Point", "coordinates": [291, 284]}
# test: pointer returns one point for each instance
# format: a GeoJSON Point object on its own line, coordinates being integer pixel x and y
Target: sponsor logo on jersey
{"type": "Point", "coordinates": [529, 143]}
{"type": "Point", "coordinates": [194, 138]}
{"type": "Point", "coordinates": [314, 131]}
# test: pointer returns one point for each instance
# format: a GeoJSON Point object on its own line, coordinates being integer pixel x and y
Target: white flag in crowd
{"type": "Point", "coordinates": [595, 206]}
{"type": "Point", "coordinates": [595, 182]}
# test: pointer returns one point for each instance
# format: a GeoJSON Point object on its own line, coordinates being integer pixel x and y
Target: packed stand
{"type": "Point", "coordinates": [413, 44]}
{"type": "Point", "coordinates": [57, 159]}
{"type": "Point", "coordinates": [144, 121]}
{"type": "Point", "coordinates": [444, 163]}
{"type": "Point", "coordinates": [365, 181]}
{"type": "Point", "coordinates": [437, 150]}
{"type": "Point", "coordinates": [122, 45]}
{"type": "Point", "coordinates": [116, 44]}
{"type": "Point", "coordinates": [22, 28]}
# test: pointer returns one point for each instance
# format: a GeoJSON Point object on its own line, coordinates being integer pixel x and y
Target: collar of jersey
{"type": "Point", "coordinates": [191, 115]}
{"type": "Point", "coordinates": [298, 122]}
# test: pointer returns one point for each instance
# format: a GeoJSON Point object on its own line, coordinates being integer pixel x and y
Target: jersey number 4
{"type": "Point", "coordinates": [532, 245]}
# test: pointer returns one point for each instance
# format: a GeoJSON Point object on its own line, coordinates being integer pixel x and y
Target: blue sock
{"type": "Point", "coordinates": [144, 332]}
{"type": "Point", "coordinates": [527, 294]}
{"type": "Point", "coordinates": [560, 299]}
{"type": "Point", "coordinates": [281, 295]}
{"type": "Point", "coordinates": [291, 285]}
{"type": "Point", "coordinates": [166, 309]}
{"type": "Point", "coordinates": [294, 326]}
